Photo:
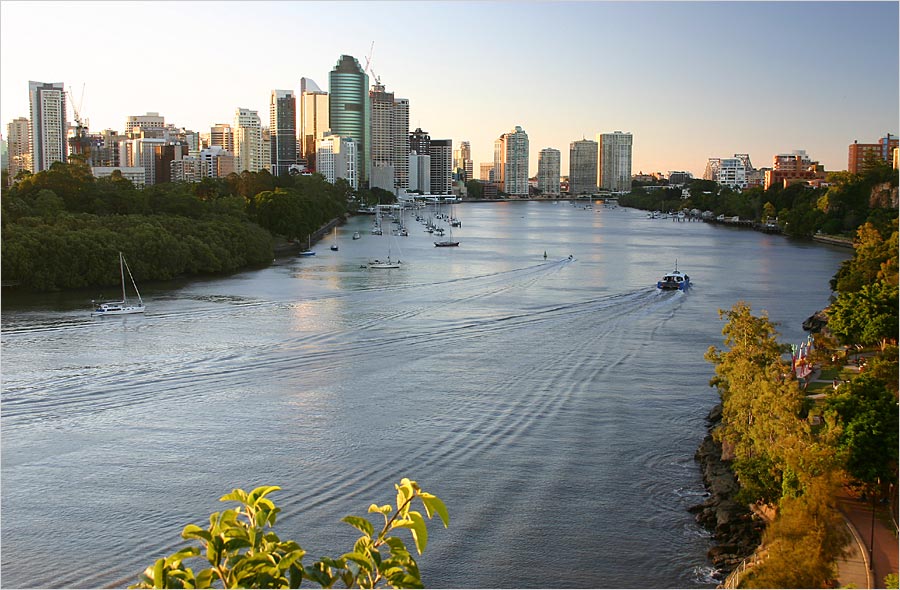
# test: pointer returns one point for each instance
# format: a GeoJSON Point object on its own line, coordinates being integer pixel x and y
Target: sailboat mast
{"type": "Point", "coordinates": [122, 274]}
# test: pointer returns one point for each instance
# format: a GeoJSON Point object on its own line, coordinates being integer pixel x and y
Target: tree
{"type": "Point", "coordinates": [866, 316]}
{"type": "Point", "coordinates": [243, 552]}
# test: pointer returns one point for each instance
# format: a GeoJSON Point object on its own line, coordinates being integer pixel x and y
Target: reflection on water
{"type": "Point", "coordinates": [554, 404]}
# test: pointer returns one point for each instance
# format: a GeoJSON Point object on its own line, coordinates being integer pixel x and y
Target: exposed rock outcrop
{"type": "Point", "coordinates": [736, 529]}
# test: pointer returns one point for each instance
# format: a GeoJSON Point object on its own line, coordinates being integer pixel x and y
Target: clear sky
{"type": "Point", "coordinates": [690, 80]}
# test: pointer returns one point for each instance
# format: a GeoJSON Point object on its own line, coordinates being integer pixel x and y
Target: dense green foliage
{"type": "Point", "coordinates": [779, 458]}
{"type": "Point", "coordinates": [838, 209]}
{"type": "Point", "coordinates": [242, 551]}
{"type": "Point", "coordinates": [63, 228]}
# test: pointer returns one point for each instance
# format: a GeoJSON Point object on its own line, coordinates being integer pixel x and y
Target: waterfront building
{"type": "Point", "coordinates": [732, 173]}
{"type": "Point", "coordinates": [462, 162]}
{"type": "Point", "coordinates": [420, 173]}
{"type": "Point", "coordinates": [441, 152]}
{"type": "Point", "coordinates": [313, 119]}
{"type": "Point", "coordinates": [419, 141]}
{"type": "Point", "coordinates": [338, 157]}
{"type": "Point", "coordinates": [511, 162]}
{"type": "Point", "coordinates": [583, 160]}
{"type": "Point", "coordinates": [282, 131]}
{"type": "Point", "coordinates": [486, 171]}
{"type": "Point", "coordinates": [248, 142]}
{"type": "Point", "coordinates": [390, 139]}
{"type": "Point", "coordinates": [548, 172]}
{"type": "Point", "coordinates": [859, 153]}
{"type": "Point", "coordinates": [348, 112]}
{"type": "Point", "coordinates": [18, 139]}
{"type": "Point", "coordinates": [47, 110]}
{"type": "Point", "coordinates": [795, 167]}
{"type": "Point", "coordinates": [614, 162]}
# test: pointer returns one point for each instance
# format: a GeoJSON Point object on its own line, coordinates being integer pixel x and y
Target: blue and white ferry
{"type": "Point", "coordinates": [675, 280]}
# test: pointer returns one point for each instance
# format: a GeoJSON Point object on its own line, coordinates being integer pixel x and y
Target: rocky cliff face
{"type": "Point", "coordinates": [736, 529]}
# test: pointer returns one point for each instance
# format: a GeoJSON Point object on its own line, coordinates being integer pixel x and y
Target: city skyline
{"type": "Point", "coordinates": [689, 80]}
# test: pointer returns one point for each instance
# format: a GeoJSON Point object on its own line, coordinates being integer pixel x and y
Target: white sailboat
{"type": "Point", "coordinates": [383, 264]}
{"type": "Point", "coordinates": [309, 251]}
{"type": "Point", "coordinates": [334, 245]}
{"type": "Point", "coordinates": [120, 307]}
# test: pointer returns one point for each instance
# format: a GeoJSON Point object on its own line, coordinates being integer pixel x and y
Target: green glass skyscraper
{"type": "Point", "coordinates": [348, 109]}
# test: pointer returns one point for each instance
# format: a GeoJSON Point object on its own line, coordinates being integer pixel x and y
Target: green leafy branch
{"type": "Point", "coordinates": [242, 551]}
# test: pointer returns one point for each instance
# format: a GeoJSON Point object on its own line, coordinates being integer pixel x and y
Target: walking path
{"type": "Point", "coordinates": [873, 553]}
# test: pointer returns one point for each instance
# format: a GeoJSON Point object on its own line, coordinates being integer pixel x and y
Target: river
{"type": "Point", "coordinates": [554, 404]}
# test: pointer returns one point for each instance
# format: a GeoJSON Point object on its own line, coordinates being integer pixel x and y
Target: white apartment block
{"type": "Point", "coordinates": [511, 161]}
{"type": "Point", "coordinates": [548, 171]}
{"type": "Point", "coordinates": [216, 162]}
{"type": "Point", "coordinates": [337, 157]}
{"type": "Point", "coordinates": [732, 173]}
{"type": "Point", "coordinates": [49, 130]}
{"type": "Point", "coordinates": [614, 164]}
{"type": "Point", "coordinates": [248, 141]}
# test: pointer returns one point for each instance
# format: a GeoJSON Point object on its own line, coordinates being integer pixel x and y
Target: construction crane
{"type": "Point", "coordinates": [368, 69]}
{"type": "Point", "coordinates": [80, 143]}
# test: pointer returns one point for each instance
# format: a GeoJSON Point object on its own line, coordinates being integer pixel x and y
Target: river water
{"type": "Point", "coordinates": [554, 404]}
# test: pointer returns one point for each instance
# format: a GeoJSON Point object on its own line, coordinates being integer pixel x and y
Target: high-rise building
{"type": "Point", "coordinates": [222, 135]}
{"type": "Point", "coordinates": [859, 153]}
{"type": "Point", "coordinates": [390, 137]}
{"type": "Point", "coordinates": [47, 109]}
{"type": "Point", "coordinates": [283, 131]}
{"type": "Point", "coordinates": [583, 160]}
{"type": "Point", "coordinates": [548, 172]}
{"type": "Point", "coordinates": [216, 162]}
{"type": "Point", "coordinates": [18, 139]}
{"type": "Point", "coordinates": [420, 173]}
{"type": "Point", "coordinates": [793, 168]}
{"type": "Point", "coordinates": [511, 162]}
{"type": "Point", "coordinates": [348, 110]}
{"type": "Point", "coordinates": [149, 125]}
{"type": "Point", "coordinates": [419, 141]}
{"type": "Point", "coordinates": [486, 171]}
{"type": "Point", "coordinates": [313, 119]}
{"type": "Point", "coordinates": [732, 172]}
{"type": "Point", "coordinates": [338, 157]}
{"type": "Point", "coordinates": [248, 144]}
{"type": "Point", "coordinates": [462, 161]}
{"type": "Point", "coordinates": [441, 152]}
{"type": "Point", "coordinates": [614, 163]}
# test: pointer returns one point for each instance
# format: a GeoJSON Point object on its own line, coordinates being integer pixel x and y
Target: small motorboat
{"type": "Point", "coordinates": [675, 280]}
{"type": "Point", "coordinates": [356, 235]}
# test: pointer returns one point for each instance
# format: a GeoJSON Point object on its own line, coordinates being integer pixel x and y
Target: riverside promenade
{"type": "Point", "coordinates": [873, 552]}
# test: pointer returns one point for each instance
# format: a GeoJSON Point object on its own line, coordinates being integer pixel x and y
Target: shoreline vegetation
{"type": "Point", "coordinates": [785, 443]}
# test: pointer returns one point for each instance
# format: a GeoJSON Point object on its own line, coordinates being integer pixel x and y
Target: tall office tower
{"type": "Point", "coordinates": [419, 141]}
{"type": "Point", "coordinates": [151, 124]}
{"type": "Point", "coordinates": [583, 159]}
{"type": "Point", "coordinates": [614, 165]}
{"type": "Point", "coordinates": [222, 135]}
{"type": "Point", "coordinates": [548, 171]}
{"type": "Point", "coordinates": [511, 161]}
{"type": "Point", "coordinates": [420, 173]}
{"type": "Point", "coordinates": [462, 161]}
{"type": "Point", "coordinates": [248, 148]}
{"type": "Point", "coordinates": [313, 119]}
{"type": "Point", "coordinates": [283, 131]}
{"type": "Point", "coordinates": [47, 107]}
{"type": "Point", "coordinates": [338, 157]}
{"type": "Point", "coordinates": [348, 110]}
{"type": "Point", "coordinates": [486, 171]}
{"type": "Point", "coordinates": [390, 136]}
{"type": "Point", "coordinates": [441, 152]}
{"type": "Point", "coordinates": [18, 140]}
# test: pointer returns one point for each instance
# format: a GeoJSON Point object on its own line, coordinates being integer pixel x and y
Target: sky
{"type": "Point", "coordinates": [689, 80]}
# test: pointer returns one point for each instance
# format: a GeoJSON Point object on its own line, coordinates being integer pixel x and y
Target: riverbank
{"type": "Point", "coordinates": [736, 530]}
